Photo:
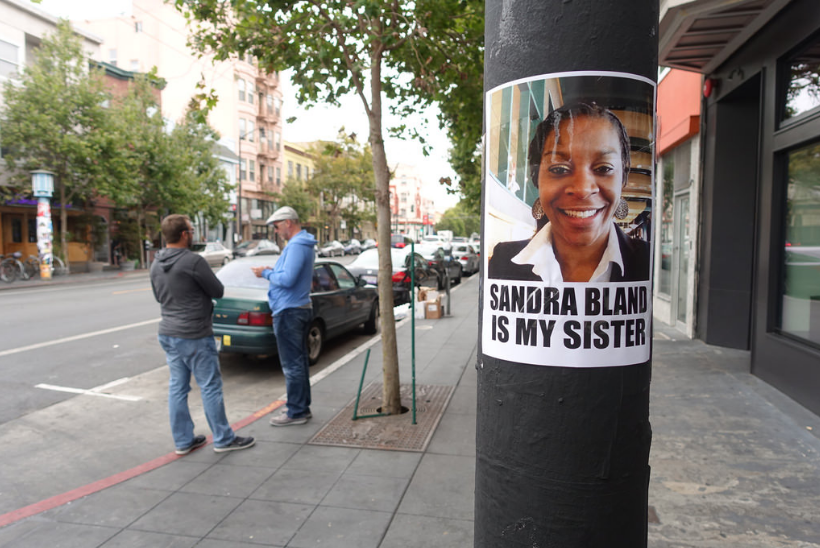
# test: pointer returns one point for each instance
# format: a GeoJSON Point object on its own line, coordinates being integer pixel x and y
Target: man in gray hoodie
{"type": "Point", "coordinates": [184, 285]}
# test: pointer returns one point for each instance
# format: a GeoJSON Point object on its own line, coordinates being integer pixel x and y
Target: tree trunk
{"type": "Point", "coordinates": [391, 398]}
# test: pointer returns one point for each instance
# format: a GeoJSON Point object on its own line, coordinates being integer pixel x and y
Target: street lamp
{"type": "Point", "coordinates": [42, 184]}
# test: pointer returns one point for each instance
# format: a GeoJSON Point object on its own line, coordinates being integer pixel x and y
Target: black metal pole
{"type": "Point", "coordinates": [562, 452]}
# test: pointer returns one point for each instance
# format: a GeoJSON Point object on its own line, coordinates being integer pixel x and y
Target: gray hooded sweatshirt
{"type": "Point", "coordinates": [184, 285]}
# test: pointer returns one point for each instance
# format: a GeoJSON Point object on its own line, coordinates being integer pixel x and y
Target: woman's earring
{"type": "Point", "coordinates": [622, 210]}
{"type": "Point", "coordinates": [537, 210]}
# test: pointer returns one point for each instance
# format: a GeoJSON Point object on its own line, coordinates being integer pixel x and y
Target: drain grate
{"type": "Point", "coordinates": [396, 432]}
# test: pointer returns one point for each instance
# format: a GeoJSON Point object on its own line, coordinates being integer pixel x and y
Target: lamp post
{"type": "Point", "coordinates": [42, 183]}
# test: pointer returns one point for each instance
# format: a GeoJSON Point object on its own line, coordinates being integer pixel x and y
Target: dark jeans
{"type": "Point", "coordinates": [291, 330]}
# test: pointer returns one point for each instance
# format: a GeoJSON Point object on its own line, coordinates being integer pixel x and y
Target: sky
{"type": "Point", "coordinates": [320, 122]}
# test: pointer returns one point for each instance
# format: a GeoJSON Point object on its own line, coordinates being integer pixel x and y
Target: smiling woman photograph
{"type": "Point", "coordinates": [579, 161]}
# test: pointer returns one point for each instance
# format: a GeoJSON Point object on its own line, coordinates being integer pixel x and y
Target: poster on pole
{"type": "Point", "coordinates": [569, 164]}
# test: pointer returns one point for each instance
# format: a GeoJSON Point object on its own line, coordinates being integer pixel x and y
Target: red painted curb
{"type": "Point", "coordinates": [74, 494]}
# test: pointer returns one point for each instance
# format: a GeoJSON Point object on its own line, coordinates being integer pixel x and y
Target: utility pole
{"type": "Point", "coordinates": [563, 433]}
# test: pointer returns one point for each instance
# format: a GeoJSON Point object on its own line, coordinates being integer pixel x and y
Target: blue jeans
{"type": "Point", "coordinates": [197, 356]}
{"type": "Point", "coordinates": [291, 330]}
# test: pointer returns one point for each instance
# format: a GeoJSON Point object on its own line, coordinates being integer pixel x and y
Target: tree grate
{"type": "Point", "coordinates": [396, 432]}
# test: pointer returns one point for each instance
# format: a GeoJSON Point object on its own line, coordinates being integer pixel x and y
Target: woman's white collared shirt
{"type": "Point", "coordinates": [540, 254]}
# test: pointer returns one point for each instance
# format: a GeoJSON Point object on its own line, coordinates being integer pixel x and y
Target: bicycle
{"type": "Point", "coordinates": [11, 268]}
{"type": "Point", "coordinates": [32, 266]}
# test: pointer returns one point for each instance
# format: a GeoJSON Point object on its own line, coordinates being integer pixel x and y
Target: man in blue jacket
{"type": "Point", "coordinates": [289, 298]}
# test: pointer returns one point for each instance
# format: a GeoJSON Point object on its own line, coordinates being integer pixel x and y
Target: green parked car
{"type": "Point", "coordinates": [242, 318]}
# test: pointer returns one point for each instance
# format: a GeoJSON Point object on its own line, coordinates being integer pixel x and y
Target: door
{"type": "Point", "coordinates": [680, 261]}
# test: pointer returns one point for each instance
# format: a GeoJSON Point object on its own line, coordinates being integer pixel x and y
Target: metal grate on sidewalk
{"type": "Point", "coordinates": [395, 432]}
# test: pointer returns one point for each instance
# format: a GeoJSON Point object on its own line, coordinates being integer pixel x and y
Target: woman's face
{"type": "Point", "coordinates": [580, 180]}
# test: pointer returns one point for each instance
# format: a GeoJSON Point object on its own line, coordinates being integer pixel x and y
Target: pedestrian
{"type": "Point", "coordinates": [184, 285]}
{"type": "Point", "coordinates": [289, 298]}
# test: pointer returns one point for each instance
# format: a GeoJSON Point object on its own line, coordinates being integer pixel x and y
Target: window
{"type": "Point", "coordinates": [277, 104]}
{"type": "Point", "coordinates": [242, 169]}
{"type": "Point", "coordinates": [135, 65]}
{"type": "Point", "coordinates": [802, 81]}
{"type": "Point", "coordinates": [252, 171]}
{"type": "Point", "coordinates": [241, 129]}
{"type": "Point", "coordinates": [270, 174]}
{"type": "Point", "coordinates": [32, 231]}
{"type": "Point", "coordinates": [251, 93]}
{"type": "Point", "coordinates": [138, 26]}
{"type": "Point", "coordinates": [800, 290]}
{"type": "Point", "coordinates": [278, 175]}
{"type": "Point", "coordinates": [262, 138]}
{"type": "Point", "coordinates": [251, 130]}
{"type": "Point", "coordinates": [8, 59]}
{"type": "Point", "coordinates": [269, 101]}
{"type": "Point", "coordinates": [290, 169]}
{"type": "Point", "coordinates": [299, 171]}
{"type": "Point", "coordinates": [112, 57]}
{"type": "Point", "coordinates": [241, 86]}
{"type": "Point", "coordinates": [343, 277]}
{"type": "Point", "coordinates": [17, 231]}
{"type": "Point", "coordinates": [261, 173]}
{"type": "Point", "coordinates": [278, 139]}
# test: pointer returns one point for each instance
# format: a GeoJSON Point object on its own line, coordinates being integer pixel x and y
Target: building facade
{"type": "Point", "coordinates": [247, 115]}
{"type": "Point", "coordinates": [412, 213]}
{"type": "Point", "coordinates": [758, 217]}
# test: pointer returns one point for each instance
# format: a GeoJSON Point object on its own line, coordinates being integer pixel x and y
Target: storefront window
{"type": "Point", "coordinates": [803, 81]}
{"type": "Point", "coordinates": [800, 300]}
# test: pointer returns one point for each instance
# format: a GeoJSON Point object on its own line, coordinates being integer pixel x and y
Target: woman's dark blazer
{"type": "Point", "coordinates": [635, 254]}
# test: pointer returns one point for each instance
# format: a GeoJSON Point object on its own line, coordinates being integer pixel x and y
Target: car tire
{"type": "Point", "coordinates": [225, 261]}
{"type": "Point", "coordinates": [371, 326]}
{"type": "Point", "coordinates": [316, 341]}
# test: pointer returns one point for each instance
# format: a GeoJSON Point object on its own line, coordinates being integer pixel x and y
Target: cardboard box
{"type": "Point", "coordinates": [432, 309]}
{"type": "Point", "coordinates": [426, 294]}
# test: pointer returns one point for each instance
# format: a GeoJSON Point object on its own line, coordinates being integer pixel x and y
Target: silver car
{"type": "Point", "coordinates": [214, 252]}
{"type": "Point", "coordinates": [467, 256]}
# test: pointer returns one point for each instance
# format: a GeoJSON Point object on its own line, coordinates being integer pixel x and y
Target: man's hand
{"type": "Point", "coordinates": [258, 270]}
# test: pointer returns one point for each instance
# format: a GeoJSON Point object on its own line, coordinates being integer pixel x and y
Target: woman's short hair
{"type": "Point", "coordinates": [552, 124]}
{"type": "Point", "coordinates": [173, 226]}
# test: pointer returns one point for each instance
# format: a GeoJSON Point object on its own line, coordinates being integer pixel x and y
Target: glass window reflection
{"type": "Point", "coordinates": [803, 81]}
{"type": "Point", "coordinates": [800, 299]}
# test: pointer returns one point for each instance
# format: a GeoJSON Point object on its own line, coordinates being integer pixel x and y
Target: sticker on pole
{"type": "Point", "coordinates": [568, 220]}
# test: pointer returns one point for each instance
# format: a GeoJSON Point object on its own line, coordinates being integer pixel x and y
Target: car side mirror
{"type": "Point", "coordinates": [360, 281]}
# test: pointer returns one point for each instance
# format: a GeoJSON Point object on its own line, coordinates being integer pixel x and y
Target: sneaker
{"type": "Point", "coordinates": [237, 444]}
{"type": "Point", "coordinates": [283, 420]}
{"type": "Point", "coordinates": [198, 442]}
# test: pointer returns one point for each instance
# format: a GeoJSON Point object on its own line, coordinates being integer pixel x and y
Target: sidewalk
{"type": "Point", "coordinates": [73, 278]}
{"type": "Point", "coordinates": [734, 464]}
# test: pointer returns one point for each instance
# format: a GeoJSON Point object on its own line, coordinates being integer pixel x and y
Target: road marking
{"type": "Point", "coordinates": [96, 391]}
{"type": "Point", "coordinates": [124, 291]}
{"type": "Point", "coordinates": [76, 337]}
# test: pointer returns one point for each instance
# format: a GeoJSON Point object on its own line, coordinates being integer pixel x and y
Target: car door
{"type": "Point", "coordinates": [356, 302]}
{"type": "Point", "coordinates": [330, 302]}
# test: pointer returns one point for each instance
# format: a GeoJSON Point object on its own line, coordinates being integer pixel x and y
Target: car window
{"type": "Point", "coordinates": [196, 248]}
{"type": "Point", "coordinates": [323, 280]}
{"type": "Point", "coordinates": [343, 277]}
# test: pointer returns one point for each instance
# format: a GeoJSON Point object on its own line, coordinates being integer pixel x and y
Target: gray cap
{"type": "Point", "coordinates": [283, 214]}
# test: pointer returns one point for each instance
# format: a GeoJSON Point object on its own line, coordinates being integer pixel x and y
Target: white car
{"type": "Point", "coordinates": [466, 255]}
{"type": "Point", "coordinates": [214, 252]}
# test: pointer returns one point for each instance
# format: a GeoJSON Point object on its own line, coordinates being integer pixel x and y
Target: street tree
{"type": "Point", "coordinates": [343, 177]}
{"type": "Point", "coordinates": [295, 194]}
{"type": "Point", "coordinates": [409, 52]}
{"type": "Point", "coordinates": [54, 119]}
{"type": "Point", "coordinates": [461, 219]}
{"type": "Point", "coordinates": [159, 168]}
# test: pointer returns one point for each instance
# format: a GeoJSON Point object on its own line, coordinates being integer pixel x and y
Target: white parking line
{"type": "Point", "coordinates": [76, 337]}
{"type": "Point", "coordinates": [96, 391]}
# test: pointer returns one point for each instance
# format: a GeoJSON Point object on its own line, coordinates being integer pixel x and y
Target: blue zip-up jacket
{"type": "Point", "coordinates": [292, 276]}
